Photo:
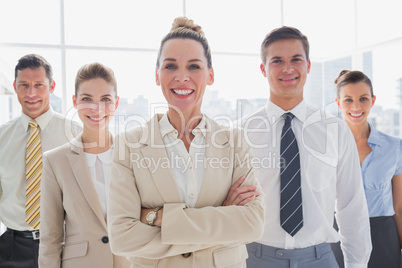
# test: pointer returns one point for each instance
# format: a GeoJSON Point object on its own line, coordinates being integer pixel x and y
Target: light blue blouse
{"type": "Point", "coordinates": [378, 168]}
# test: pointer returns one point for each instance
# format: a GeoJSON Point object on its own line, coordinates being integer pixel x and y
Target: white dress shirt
{"type": "Point", "coordinates": [55, 131]}
{"type": "Point", "coordinates": [187, 166]}
{"type": "Point", "coordinates": [330, 179]}
{"type": "Point", "coordinates": [99, 166]}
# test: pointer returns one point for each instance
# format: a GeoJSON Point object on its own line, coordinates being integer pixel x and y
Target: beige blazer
{"type": "Point", "coordinates": [73, 228]}
{"type": "Point", "coordinates": [213, 234]}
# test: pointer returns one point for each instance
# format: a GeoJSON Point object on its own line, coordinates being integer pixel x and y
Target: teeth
{"type": "Point", "coordinates": [183, 91]}
{"type": "Point", "coordinates": [356, 115]}
{"type": "Point", "coordinates": [96, 119]}
{"type": "Point", "coordinates": [32, 101]}
{"type": "Point", "coordinates": [288, 79]}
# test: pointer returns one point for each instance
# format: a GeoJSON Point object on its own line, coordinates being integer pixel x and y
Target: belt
{"type": "Point", "coordinates": [310, 252]}
{"type": "Point", "coordinates": [25, 234]}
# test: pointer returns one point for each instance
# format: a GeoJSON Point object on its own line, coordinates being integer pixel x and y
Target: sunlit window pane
{"type": "Point", "coordinates": [27, 21]}
{"type": "Point", "coordinates": [119, 23]}
{"type": "Point", "coordinates": [378, 21]}
{"type": "Point", "coordinates": [234, 25]}
{"type": "Point", "coordinates": [329, 25]}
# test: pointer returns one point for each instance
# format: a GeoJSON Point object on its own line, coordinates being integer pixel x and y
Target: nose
{"type": "Point", "coordinates": [97, 106]}
{"type": "Point", "coordinates": [31, 91]}
{"type": "Point", "coordinates": [288, 68]}
{"type": "Point", "coordinates": [182, 76]}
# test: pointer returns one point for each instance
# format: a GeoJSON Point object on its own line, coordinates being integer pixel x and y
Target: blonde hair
{"type": "Point", "coordinates": [351, 77]}
{"type": "Point", "coordinates": [184, 28]}
{"type": "Point", "coordinates": [92, 71]}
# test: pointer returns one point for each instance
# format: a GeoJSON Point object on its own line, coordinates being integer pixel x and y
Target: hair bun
{"type": "Point", "coordinates": [184, 22]}
{"type": "Point", "coordinates": [340, 75]}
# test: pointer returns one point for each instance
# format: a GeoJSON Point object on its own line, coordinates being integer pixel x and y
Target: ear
{"type": "Point", "coordinates": [116, 104]}
{"type": "Point", "coordinates": [338, 102]}
{"type": "Point", "coordinates": [157, 77]}
{"type": "Point", "coordinates": [15, 89]}
{"type": "Point", "coordinates": [211, 77]}
{"type": "Point", "coordinates": [75, 102]}
{"type": "Point", "coordinates": [373, 101]}
{"type": "Point", "coordinates": [52, 86]}
{"type": "Point", "coordinates": [263, 71]}
{"type": "Point", "coordinates": [308, 66]}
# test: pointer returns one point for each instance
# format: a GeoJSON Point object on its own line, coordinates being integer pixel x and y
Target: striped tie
{"type": "Point", "coordinates": [291, 198]}
{"type": "Point", "coordinates": [33, 175]}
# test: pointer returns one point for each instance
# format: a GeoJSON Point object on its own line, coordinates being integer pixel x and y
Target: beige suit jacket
{"type": "Point", "coordinates": [73, 228]}
{"type": "Point", "coordinates": [214, 235]}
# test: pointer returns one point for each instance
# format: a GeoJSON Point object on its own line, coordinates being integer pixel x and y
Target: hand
{"type": "Point", "coordinates": [158, 220]}
{"type": "Point", "coordinates": [240, 195]}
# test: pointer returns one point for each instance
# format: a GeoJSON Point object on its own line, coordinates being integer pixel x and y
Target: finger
{"type": "Point", "coordinates": [231, 194]}
{"type": "Point", "coordinates": [242, 197]}
{"type": "Point", "coordinates": [244, 202]}
{"type": "Point", "coordinates": [234, 197]}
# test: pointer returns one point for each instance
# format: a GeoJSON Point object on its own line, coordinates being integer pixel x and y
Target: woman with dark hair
{"type": "Point", "coordinates": [381, 163]}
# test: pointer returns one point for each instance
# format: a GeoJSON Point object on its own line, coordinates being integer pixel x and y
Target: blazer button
{"type": "Point", "coordinates": [186, 255]}
{"type": "Point", "coordinates": [105, 239]}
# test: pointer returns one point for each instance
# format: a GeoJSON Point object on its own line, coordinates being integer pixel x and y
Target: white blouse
{"type": "Point", "coordinates": [99, 166]}
{"type": "Point", "coordinates": [187, 166]}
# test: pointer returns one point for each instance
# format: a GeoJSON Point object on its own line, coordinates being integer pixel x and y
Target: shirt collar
{"type": "Point", "coordinates": [105, 157]}
{"type": "Point", "coordinates": [166, 127]}
{"type": "Point", "coordinates": [42, 120]}
{"type": "Point", "coordinates": [275, 112]}
{"type": "Point", "coordinates": [374, 137]}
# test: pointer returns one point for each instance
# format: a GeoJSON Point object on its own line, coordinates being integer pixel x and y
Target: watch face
{"type": "Point", "coordinates": [151, 216]}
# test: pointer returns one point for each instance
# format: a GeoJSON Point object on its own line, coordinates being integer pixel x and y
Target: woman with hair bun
{"type": "Point", "coordinates": [169, 204]}
{"type": "Point", "coordinates": [75, 181]}
{"type": "Point", "coordinates": [381, 164]}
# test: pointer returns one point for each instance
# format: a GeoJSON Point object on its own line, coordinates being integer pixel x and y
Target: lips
{"type": "Point", "coordinates": [288, 79]}
{"type": "Point", "coordinates": [32, 101]}
{"type": "Point", "coordinates": [97, 119]}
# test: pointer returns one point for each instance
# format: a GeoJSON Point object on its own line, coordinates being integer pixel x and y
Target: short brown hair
{"type": "Point", "coordinates": [34, 61]}
{"type": "Point", "coordinates": [283, 33]}
{"type": "Point", "coordinates": [351, 77]}
{"type": "Point", "coordinates": [92, 71]}
{"type": "Point", "coordinates": [185, 28]}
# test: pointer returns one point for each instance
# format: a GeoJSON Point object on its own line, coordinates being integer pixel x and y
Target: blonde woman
{"type": "Point", "coordinates": [75, 181]}
{"type": "Point", "coordinates": [381, 163]}
{"type": "Point", "coordinates": [168, 202]}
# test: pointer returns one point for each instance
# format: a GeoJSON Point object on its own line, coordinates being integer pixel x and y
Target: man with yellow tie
{"type": "Point", "coordinates": [22, 142]}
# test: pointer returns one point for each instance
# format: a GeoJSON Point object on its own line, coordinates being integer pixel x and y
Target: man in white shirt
{"type": "Point", "coordinates": [33, 85]}
{"type": "Point", "coordinates": [324, 169]}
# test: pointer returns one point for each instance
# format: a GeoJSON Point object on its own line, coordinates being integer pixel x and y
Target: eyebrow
{"type": "Point", "coordinates": [294, 56]}
{"type": "Point", "coordinates": [192, 60]}
{"type": "Point", "coordinates": [89, 95]}
{"type": "Point", "coordinates": [366, 94]}
{"type": "Point", "coordinates": [39, 81]}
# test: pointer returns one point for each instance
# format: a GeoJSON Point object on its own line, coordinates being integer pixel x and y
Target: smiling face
{"type": "Point", "coordinates": [183, 74]}
{"type": "Point", "coordinates": [33, 89]}
{"type": "Point", "coordinates": [355, 102]}
{"type": "Point", "coordinates": [286, 69]}
{"type": "Point", "coordinates": [96, 102]}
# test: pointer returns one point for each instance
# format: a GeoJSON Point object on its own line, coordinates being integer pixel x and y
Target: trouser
{"type": "Point", "coordinates": [262, 256]}
{"type": "Point", "coordinates": [18, 251]}
{"type": "Point", "coordinates": [385, 240]}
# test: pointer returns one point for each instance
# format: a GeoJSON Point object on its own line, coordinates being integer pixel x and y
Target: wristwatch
{"type": "Point", "coordinates": [151, 216]}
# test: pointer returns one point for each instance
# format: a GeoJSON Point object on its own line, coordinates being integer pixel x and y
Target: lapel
{"type": "Point", "coordinates": [82, 175]}
{"type": "Point", "coordinates": [155, 153]}
{"type": "Point", "coordinates": [218, 147]}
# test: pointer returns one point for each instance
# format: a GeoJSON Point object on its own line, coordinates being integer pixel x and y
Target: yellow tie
{"type": "Point", "coordinates": [33, 175]}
